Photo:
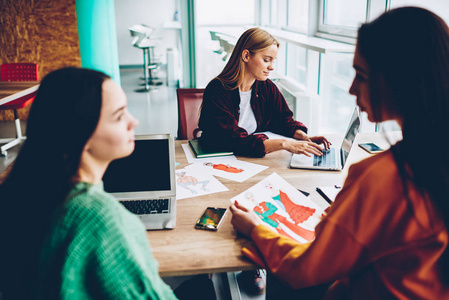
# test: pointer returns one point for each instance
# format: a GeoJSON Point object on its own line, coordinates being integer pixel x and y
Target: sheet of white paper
{"type": "Point", "coordinates": [193, 184]}
{"type": "Point", "coordinates": [191, 157]}
{"type": "Point", "coordinates": [236, 170]}
{"type": "Point", "coordinates": [330, 191]}
{"type": "Point", "coordinates": [274, 136]}
{"type": "Point", "coordinates": [289, 210]}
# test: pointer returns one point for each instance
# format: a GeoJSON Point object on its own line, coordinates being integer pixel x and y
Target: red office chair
{"type": "Point", "coordinates": [17, 72]}
{"type": "Point", "coordinates": [189, 103]}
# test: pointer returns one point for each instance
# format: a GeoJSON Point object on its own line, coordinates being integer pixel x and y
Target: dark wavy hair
{"type": "Point", "coordinates": [407, 50]}
{"type": "Point", "coordinates": [63, 117]}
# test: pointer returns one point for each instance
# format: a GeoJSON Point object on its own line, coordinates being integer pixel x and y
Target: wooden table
{"type": "Point", "coordinates": [187, 251]}
{"type": "Point", "coordinates": [11, 90]}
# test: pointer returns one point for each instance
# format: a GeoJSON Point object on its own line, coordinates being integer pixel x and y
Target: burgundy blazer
{"type": "Point", "coordinates": [220, 115]}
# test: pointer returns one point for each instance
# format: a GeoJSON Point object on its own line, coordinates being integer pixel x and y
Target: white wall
{"type": "Point", "coordinates": [153, 13]}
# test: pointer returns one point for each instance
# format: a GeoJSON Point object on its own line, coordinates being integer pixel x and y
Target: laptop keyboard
{"type": "Point", "coordinates": [327, 160]}
{"type": "Point", "coordinates": [146, 207]}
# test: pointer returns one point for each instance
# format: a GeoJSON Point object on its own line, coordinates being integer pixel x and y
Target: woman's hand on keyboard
{"type": "Point", "coordinates": [321, 140]}
{"type": "Point", "coordinates": [301, 135]}
{"type": "Point", "coordinates": [302, 147]}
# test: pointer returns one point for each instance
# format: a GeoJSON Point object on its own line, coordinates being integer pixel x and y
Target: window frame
{"type": "Point", "coordinates": [343, 31]}
{"type": "Point", "coordinates": [348, 34]}
{"type": "Point", "coordinates": [301, 29]}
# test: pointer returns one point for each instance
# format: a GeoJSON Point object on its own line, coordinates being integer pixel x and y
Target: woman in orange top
{"type": "Point", "coordinates": [386, 236]}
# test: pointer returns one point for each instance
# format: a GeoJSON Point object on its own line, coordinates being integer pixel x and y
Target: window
{"type": "Point", "coordinates": [297, 63]}
{"type": "Point", "coordinates": [230, 19]}
{"type": "Point", "coordinates": [280, 63]}
{"type": "Point", "coordinates": [265, 12]}
{"type": "Point", "coordinates": [342, 17]}
{"type": "Point", "coordinates": [337, 104]}
{"type": "Point", "coordinates": [297, 15]}
{"type": "Point", "coordinates": [278, 13]}
{"type": "Point", "coordinates": [230, 13]}
{"type": "Point", "coordinates": [292, 15]}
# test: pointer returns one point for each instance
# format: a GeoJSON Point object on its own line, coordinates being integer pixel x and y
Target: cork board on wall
{"type": "Point", "coordinates": [39, 31]}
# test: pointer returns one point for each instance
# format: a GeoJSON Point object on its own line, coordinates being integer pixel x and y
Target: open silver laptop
{"type": "Point", "coordinates": [333, 159]}
{"type": "Point", "coordinates": [144, 182]}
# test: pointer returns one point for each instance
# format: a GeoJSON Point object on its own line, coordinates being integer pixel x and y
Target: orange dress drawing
{"type": "Point", "coordinates": [267, 212]}
{"type": "Point", "coordinates": [227, 168]}
{"type": "Point", "coordinates": [298, 213]}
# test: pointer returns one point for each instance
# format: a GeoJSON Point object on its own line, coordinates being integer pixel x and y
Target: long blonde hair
{"type": "Point", "coordinates": [254, 40]}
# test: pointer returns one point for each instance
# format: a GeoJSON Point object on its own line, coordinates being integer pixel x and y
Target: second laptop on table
{"type": "Point", "coordinates": [333, 159]}
{"type": "Point", "coordinates": [144, 182]}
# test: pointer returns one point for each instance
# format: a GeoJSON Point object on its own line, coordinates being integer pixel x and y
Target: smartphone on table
{"type": "Point", "coordinates": [211, 218]}
{"type": "Point", "coordinates": [371, 147]}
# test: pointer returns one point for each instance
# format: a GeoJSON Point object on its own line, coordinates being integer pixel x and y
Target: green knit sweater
{"type": "Point", "coordinates": [98, 250]}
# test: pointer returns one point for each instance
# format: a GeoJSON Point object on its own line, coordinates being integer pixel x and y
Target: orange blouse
{"type": "Point", "coordinates": [373, 244]}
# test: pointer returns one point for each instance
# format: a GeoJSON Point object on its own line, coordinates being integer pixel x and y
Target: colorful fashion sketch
{"type": "Point", "coordinates": [191, 184]}
{"type": "Point", "coordinates": [235, 169]}
{"type": "Point", "coordinates": [284, 209]}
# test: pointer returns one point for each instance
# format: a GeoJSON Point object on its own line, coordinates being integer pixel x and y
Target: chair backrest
{"type": "Point", "coordinates": [19, 72]}
{"type": "Point", "coordinates": [189, 103]}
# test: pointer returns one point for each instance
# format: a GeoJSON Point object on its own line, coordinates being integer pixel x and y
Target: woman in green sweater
{"type": "Point", "coordinates": [62, 236]}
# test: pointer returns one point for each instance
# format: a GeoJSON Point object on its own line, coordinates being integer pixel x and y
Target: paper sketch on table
{"type": "Point", "coordinates": [281, 206]}
{"type": "Point", "coordinates": [192, 184]}
{"type": "Point", "coordinates": [236, 170]}
{"type": "Point", "coordinates": [192, 159]}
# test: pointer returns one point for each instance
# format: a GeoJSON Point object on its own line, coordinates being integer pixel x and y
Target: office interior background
{"type": "Point", "coordinates": [192, 41]}
{"type": "Point", "coordinates": [314, 65]}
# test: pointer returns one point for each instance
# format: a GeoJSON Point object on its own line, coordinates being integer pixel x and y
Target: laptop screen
{"type": "Point", "coordinates": [350, 135]}
{"type": "Point", "coordinates": [146, 169]}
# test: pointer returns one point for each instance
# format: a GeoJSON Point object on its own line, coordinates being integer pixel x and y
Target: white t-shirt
{"type": "Point", "coordinates": [247, 120]}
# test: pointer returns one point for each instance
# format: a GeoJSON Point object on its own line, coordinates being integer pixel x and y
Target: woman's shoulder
{"type": "Point", "coordinates": [373, 194]}
{"type": "Point", "coordinates": [379, 165]}
{"type": "Point", "coordinates": [267, 87]}
{"type": "Point", "coordinates": [215, 84]}
{"type": "Point", "coordinates": [374, 177]}
{"type": "Point", "coordinates": [267, 84]}
{"type": "Point", "coordinates": [216, 89]}
{"type": "Point", "coordinates": [88, 203]}
{"type": "Point", "coordinates": [90, 197]}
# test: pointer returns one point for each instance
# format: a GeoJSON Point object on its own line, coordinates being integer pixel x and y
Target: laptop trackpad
{"type": "Point", "coordinates": [301, 160]}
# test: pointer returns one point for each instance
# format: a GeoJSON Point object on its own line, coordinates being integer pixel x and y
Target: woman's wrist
{"type": "Point", "coordinates": [301, 135]}
{"type": "Point", "coordinates": [274, 145]}
{"type": "Point", "coordinates": [252, 230]}
{"type": "Point", "coordinates": [283, 144]}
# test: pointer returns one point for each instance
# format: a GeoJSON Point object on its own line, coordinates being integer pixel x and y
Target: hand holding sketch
{"type": "Point", "coordinates": [283, 208]}
{"type": "Point", "coordinates": [244, 220]}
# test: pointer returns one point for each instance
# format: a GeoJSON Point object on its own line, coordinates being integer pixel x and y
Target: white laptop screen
{"type": "Point", "coordinates": [146, 169]}
{"type": "Point", "coordinates": [350, 135]}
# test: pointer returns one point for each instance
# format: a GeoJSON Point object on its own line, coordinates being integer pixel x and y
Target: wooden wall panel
{"type": "Point", "coordinates": [40, 31]}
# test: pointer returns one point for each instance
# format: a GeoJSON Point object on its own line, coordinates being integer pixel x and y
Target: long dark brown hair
{"type": "Point", "coordinates": [63, 117]}
{"type": "Point", "coordinates": [407, 51]}
{"type": "Point", "coordinates": [254, 40]}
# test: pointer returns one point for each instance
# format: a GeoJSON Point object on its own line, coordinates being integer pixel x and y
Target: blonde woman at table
{"type": "Point", "coordinates": [386, 236]}
{"type": "Point", "coordinates": [241, 100]}
{"type": "Point", "coordinates": [62, 235]}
